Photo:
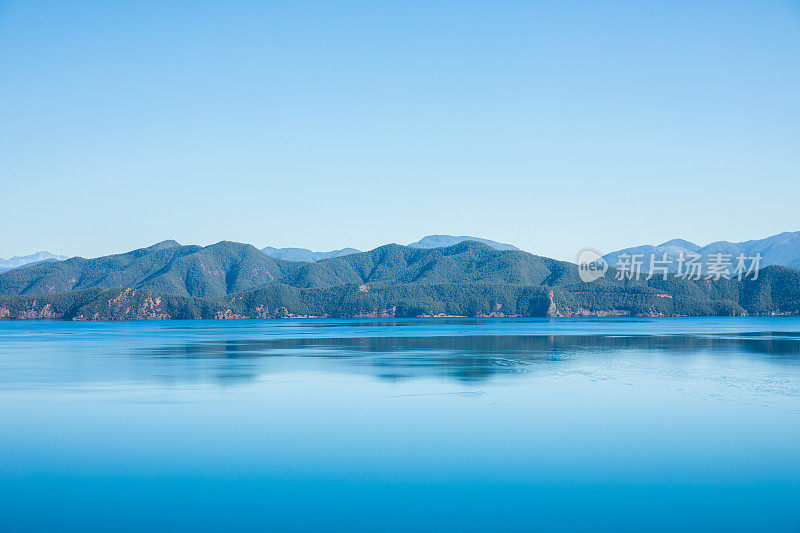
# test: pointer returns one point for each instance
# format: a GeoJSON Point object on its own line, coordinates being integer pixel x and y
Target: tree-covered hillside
{"type": "Point", "coordinates": [392, 263]}
{"type": "Point", "coordinates": [166, 267]}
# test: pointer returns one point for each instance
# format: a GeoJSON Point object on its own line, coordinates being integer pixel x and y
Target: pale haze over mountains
{"type": "Point", "coordinates": [293, 253]}
{"type": "Point", "coordinates": [427, 242]}
{"type": "Point", "coordinates": [782, 249]}
{"type": "Point", "coordinates": [443, 241]}
{"type": "Point", "coordinates": [18, 261]}
{"type": "Point", "coordinates": [304, 254]}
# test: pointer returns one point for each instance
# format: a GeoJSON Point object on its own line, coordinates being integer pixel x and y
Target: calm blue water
{"type": "Point", "coordinates": [401, 425]}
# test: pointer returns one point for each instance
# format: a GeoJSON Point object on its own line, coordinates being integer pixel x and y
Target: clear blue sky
{"type": "Point", "coordinates": [550, 125]}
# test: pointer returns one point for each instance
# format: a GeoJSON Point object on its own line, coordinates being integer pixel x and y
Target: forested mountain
{"type": "Point", "coordinates": [234, 280]}
{"type": "Point", "coordinates": [462, 263]}
{"type": "Point", "coordinates": [167, 267]}
{"type": "Point", "coordinates": [227, 267]}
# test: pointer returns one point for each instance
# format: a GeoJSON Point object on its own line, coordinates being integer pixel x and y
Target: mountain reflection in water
{"type": "Point", "coordinates": [476, 358]}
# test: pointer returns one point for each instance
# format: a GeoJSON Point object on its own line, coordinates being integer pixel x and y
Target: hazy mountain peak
{"type": "Point", "coordinates": [304, 254]}
{"type": "Point", "coordinates": [680, 243]}
{"type": "Point", "coordinates": [443, 241]}
{"type": "Point", "coordinates": [22, 260]}
{"type": "Point", "coordinates": [163, 245]}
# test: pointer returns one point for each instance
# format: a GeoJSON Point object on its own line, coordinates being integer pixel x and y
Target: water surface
{"type": "Point", "coordinates": [425, 424]}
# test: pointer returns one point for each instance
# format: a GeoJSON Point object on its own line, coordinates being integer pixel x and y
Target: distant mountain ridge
{"type": "Point", "coordinates": [37, 257]}
{"type": "Point", "coordinates": [443, 241]}
{"type": "Point", "coordinates": [427, 242]}
{"type": "Point", "coordinates": [304, 254]}
{"type": "Point", "coordinates": [782, 249]}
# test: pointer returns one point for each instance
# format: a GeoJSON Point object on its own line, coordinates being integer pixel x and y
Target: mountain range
{"type": "Point", "coordinates": [429, 241]}
{"type": "Point", "coordinates": [37, 257]}
{"type": "Point", "coordinates": [782, 249]}
{"type": "Point", "coordinates": [304, 254]}
{"type": "Point", "coordinates": [443, 241]}
{"type": "Point", "coordinates": [236, 280]}
{"type": "Point", "coordinates": [287, 254]}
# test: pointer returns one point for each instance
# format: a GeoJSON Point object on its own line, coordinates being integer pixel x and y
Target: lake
{"type": "Point", "coordinates": [398, 425]}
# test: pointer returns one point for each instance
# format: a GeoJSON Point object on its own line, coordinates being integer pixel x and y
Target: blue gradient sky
{"type": "Point", "coordinates": [551, 125]}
